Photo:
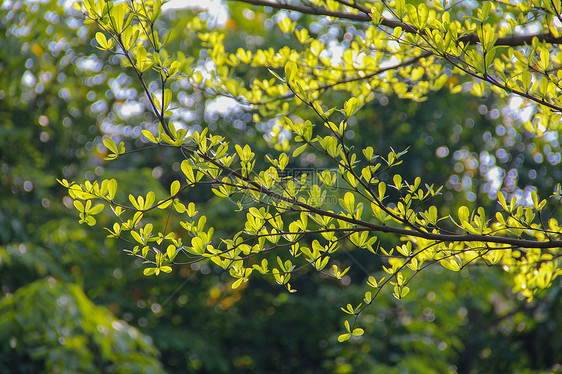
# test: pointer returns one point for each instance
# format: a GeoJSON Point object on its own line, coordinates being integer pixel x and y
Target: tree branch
{"type": "Point", "coordinates": [509, 41]}
{"type": "Point", "coordinates": [522, 243]}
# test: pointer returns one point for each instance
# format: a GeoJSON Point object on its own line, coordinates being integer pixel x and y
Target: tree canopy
{"type": "Point", "coordinates": [286, 144]}
{"type": "Point", "coordinates": [295, 220]}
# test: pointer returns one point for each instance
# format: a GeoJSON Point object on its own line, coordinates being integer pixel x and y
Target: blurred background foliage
{"type": "Point", "coordinates": [72, 301]}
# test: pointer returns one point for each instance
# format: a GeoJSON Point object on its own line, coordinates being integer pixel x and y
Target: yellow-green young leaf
{"type": "Point", "coordinates": [275, 74]}
{"type": "Point", "coordinates": [400, 8]}
{"type": "Point", "coordinates": [357, 331]}
{"type": "Point", "coordinates": [187, 169]}
{"type": "Point", "coordinates": [512, 203]}
{"type": "Point", "coordinates": [350, 106]}
{"type": "Point", "coordinates": [321, 263]}
{"type": "Point", "coordinates": [156, 10]}
{"type": "Point", "coordinates": [191, 210]}
{"type": "Point", "coordinates": [237, 283]}
{"type": "Point", "coordinates": [163, 204]}
{"type": "Point", "coordinates": [95, 210]}
{"type": "Point", "coordinates": [150, 197]}
{"type": "Point", "coordinates": [283, 161]}
{"type": "Point", "coordinates": [166, 99]}
{"type": "Point", "coordinates": [535, 198]}
{"type": "Point", "coordinates": [382, 190]}
{"type": "Point", "coordinates": [299, 150]}
{"type": "Point", "coordinates": [344, 337]}
{"type": "Point", "coordinates": [366, 174]}
{"type": "Point", "coordinates": [90, 221]}
{"type": "Point", "coordinates": [372, 282]}
{"type": "Point", "coordinates": [494, 256]}
{"type": "Point", "coordinates": [179, 207]}
{"type": "Point", "coordinates": [318, 108]}
{"type": "Point", "coordinates": [79, 206]}
{"type": "Point", "coordinates": [368, 153]}
{"type": "Point", "coordinates": [110, 144]}
{"type": "Point", "coordinates": [290, 71]}
{"type": "Point", "coordinates": [112, 189]}
{"type": "Point", "coordinates": [197, 244]}
{"type": "Point", "coordinates": [463, 214]}
{"type": "Point", "coordinates": [302, 35]}
{"type": "Point", "coordinates": [118, 16]}
{"type": "Point", "coordinates": [102, 41]}
{"type": "Point", "coordinates": [432, 215]}
{"type": "Point", "coordinates": [348, 309]}
{"type": "Point", "coordinates": [485, 11]}
{"type": "Point", "coordinates": [397, 181]}
{"type": "Point", "coordinates": [400, 292]}
{"type": "Point", "coordinates": [137, 237]}
{"type": "Point", "coordinates": [348, 202]}
{"type": "Point", "coordinates": [286, 25]}
{"type": "Point", "coordinates": [478, 88]}
{"type": "Point", "coordinates": [451, 264]}
{"type": "Point", "coordinates": [134, 201]}
{"type": "Point", "coordinates": [149, 271]}
{"type": "Point", "coordinates": [166, 269]}
{"type": "Point", "coordinates": [171, 252]}
{"type": "Point", "coordinates": [174, 188]}
{"type": "Point", "coordinates": [380, 214]}
{"type": "Point", "coordinates": [501, 200]}
{"type": "Point", "coordinates": [147, 134]}
{"type": "Point", "coordinates": [64, 182]}
{"type": "Point", "coordinates": [368, 297]}
{"type": "Point", "coordinates": [174, 68]}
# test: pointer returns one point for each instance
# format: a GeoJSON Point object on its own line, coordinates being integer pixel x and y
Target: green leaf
{"type": "Point", "coordinates": [171, 252]}
{"type": "Point", "coordinates": [348, 202]}
{"type": "Point", "coordinates": [357, 331]}
{"type": "Point", "coordinates": [110, 144]}
{"type": "Point", "coordinates": [350, 106]}
{"type": "Point", "coordinates": [275, 75]}
{"type": "Point", "coordinates": [96, 209]}
{"type": "Point", "coordinates": [78, 205]}
{"type": "Point", "coordinates": [167, 98]}
{"type": "Point", "coordinates": [382, 190]}
{"type": "Point", "coordinates": [237, 283]}
{"type": "Point", "coordinates": [197, 244]}
{"type": "Point", "coordinates": [102, 41]}
{"type": "Point", "coordinates": [400, 9]}
{"type": "Point", "coordinates": [368, 153]}
{"type": "Point", "coordinates": [174, 188]}
{"type": "Point", "coordinates": [299, 150]}
{"type": "Point", "coordinates": [463, 214]}
{"type": "Point", "coordinates": [137, 237]}
{"type": "Point", "coordinates": [344, 337]}
{"type": "Point", "coordinates": [147, 134]}
{"type": "Point", "coordinates": [501, 200]}
{"type": "Point", "coordinates": [290, 70]}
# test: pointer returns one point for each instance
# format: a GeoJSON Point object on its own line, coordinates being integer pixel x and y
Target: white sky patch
{"type": "Point", "coordinates": [333, 52]}
{"type": "Point", "coordinates": [223, 105]}
{"type": "Point", "coordinates": [524, 113]}
{"type": "Point", "coordinates": [90, 64]}
{"type": "Point", "coordinates": [390, 62]}
{"type": "Point", "coordinates": [130, 108]}
{"type": "Point", "coordinates": [217, 9]}
{"type": "Point", "coordinates": [495, 178]}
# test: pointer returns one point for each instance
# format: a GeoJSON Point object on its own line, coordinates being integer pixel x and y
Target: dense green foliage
{"type": "Point", "coordinates": [62, 98]}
